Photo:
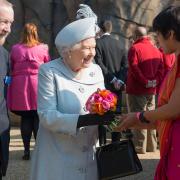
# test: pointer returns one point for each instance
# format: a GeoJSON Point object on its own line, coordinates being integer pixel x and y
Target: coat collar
{"type": "Point", "coordinates": [142, 39]}
{"type": "Point", "coordinates": [106, 34]}
{"type": "Point", "coordinates": [90, 75]}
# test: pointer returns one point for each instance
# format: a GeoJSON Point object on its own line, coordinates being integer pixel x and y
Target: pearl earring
{"type": "Point", "coordinates": [69, 55]}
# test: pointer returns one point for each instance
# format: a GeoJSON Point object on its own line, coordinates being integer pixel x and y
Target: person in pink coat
{"type": "Point", "coordinates": [26, 58]}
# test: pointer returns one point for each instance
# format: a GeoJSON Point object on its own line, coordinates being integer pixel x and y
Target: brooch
{"type": "Point", "coordinates": [91, 74]}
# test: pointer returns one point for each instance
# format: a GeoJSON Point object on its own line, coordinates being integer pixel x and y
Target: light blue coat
{"type": "Point", "coordinates": [62, 151]}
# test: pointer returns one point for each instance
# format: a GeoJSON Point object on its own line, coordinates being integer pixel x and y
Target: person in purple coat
{"type": "Point", "coordinates": [26, 58]}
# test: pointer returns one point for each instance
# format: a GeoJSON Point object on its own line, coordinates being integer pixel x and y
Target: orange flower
{"type": "Point", "coordinates": [101, 101]}
{"type": "Point", "coordinates": [104, 93]}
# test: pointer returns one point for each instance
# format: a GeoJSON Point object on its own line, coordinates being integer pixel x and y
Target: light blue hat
{"type": "Point", "coordinates": [85, 11]}
{"type": "Point", "coordinates": [75, 32]}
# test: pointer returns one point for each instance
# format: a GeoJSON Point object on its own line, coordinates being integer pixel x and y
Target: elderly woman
{"type": "Point", "coordinates": [64, 148]}
{"type": "Point", "coordinates": [166, 118]}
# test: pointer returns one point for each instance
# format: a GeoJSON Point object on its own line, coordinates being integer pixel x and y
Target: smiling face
{"type": "Point", "coordinates": [81, 55]}
{"type": "Point", "coordinates": [6, 20]}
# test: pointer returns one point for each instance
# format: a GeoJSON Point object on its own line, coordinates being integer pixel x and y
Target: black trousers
{"type": "Point", "coordinates": [4, 151]}
{"type": "Point", "coordinates": [29, 125]}
{"type": "Point", "coordinates": [115, 136]}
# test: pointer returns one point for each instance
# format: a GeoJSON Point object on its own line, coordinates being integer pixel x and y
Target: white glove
{"type": "Point", "coordinates": [151, 84]}
{"type": "Point", "coordinates": [154, 83]}
{"type": "Point", "coordinates": [114, 80]}
{"type": "Point", "coordinates": [118, 84]}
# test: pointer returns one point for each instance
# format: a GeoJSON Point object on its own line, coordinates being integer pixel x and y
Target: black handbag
{"type": "Point", "coordinates": [117, 159]}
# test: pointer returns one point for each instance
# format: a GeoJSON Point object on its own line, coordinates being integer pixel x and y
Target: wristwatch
{"type": "Point", "coordinates": [142, 118]}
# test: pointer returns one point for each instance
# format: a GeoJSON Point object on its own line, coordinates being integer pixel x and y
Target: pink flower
{"type": "Point", "coordinates": [91, 98]}
{"type": "Point", "coordinates": [109, 97]}
{"type": "Point", "coordinates": [101, 101]}
{"type": "Point", "coordinates": [88, 106]}
{"type": "Point", "coordinates": [97, 98]}
{"type": "Point", "coordinates": [106, 105]}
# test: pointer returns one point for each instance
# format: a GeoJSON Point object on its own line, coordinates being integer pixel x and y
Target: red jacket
{"type": "Point", "coordinates": [145, 63]}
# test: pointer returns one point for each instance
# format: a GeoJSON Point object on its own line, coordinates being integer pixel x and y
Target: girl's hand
{"type": "Point", "coordinates": [126, 121]}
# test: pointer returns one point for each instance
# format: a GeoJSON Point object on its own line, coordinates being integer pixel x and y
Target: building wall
{"type": "Point", "coordinates": [52, 15]}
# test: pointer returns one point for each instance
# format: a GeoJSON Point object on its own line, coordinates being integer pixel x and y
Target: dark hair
{"type": "Point", "coordinates": [167, 20]}
{"type": "Point", "coordinates": [106, 26]}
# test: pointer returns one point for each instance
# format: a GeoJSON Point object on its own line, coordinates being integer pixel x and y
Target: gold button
{"type": "Point", "coordinates": [81, 89]}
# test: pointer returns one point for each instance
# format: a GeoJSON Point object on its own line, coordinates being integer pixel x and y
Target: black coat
{"type": "Point", "coordinates": [111, 58]}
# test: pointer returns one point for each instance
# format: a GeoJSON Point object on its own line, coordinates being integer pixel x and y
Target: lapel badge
{"type": "Point", "coordinates": [92, 74]}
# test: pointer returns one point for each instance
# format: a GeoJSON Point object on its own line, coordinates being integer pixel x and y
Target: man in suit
{"type": "Point", "coordinates": [6, 19]}
{"type": "Point", "coordinates": [113, 62]}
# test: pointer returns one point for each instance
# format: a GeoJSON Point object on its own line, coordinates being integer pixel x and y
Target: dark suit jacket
{"type": "Point", "coordinates": [4, 118]}
{"type": "Point", "coordinates": [113, 62]}
{"type": "Point", "coordinates": [111, 58]}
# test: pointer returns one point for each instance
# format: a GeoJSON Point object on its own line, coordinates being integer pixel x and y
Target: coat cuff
{"type": "Point", "coordinates": [59, 123]}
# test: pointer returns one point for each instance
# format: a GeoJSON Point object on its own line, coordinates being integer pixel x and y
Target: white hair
{"type": "Point", "coordinates": [63, 51]}
{"type": "Point", "coordinates": [5, 4]}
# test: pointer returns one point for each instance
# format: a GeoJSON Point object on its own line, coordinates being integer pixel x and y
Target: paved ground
{"type": "Point", "coordinates": [19, 169]}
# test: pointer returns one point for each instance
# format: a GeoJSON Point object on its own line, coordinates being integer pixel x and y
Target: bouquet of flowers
{"type": "Point", "coordinates": [102, 101]}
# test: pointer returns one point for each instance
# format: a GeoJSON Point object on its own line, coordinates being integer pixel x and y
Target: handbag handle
{"type": "Point", "coordinates": [102, 131]}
